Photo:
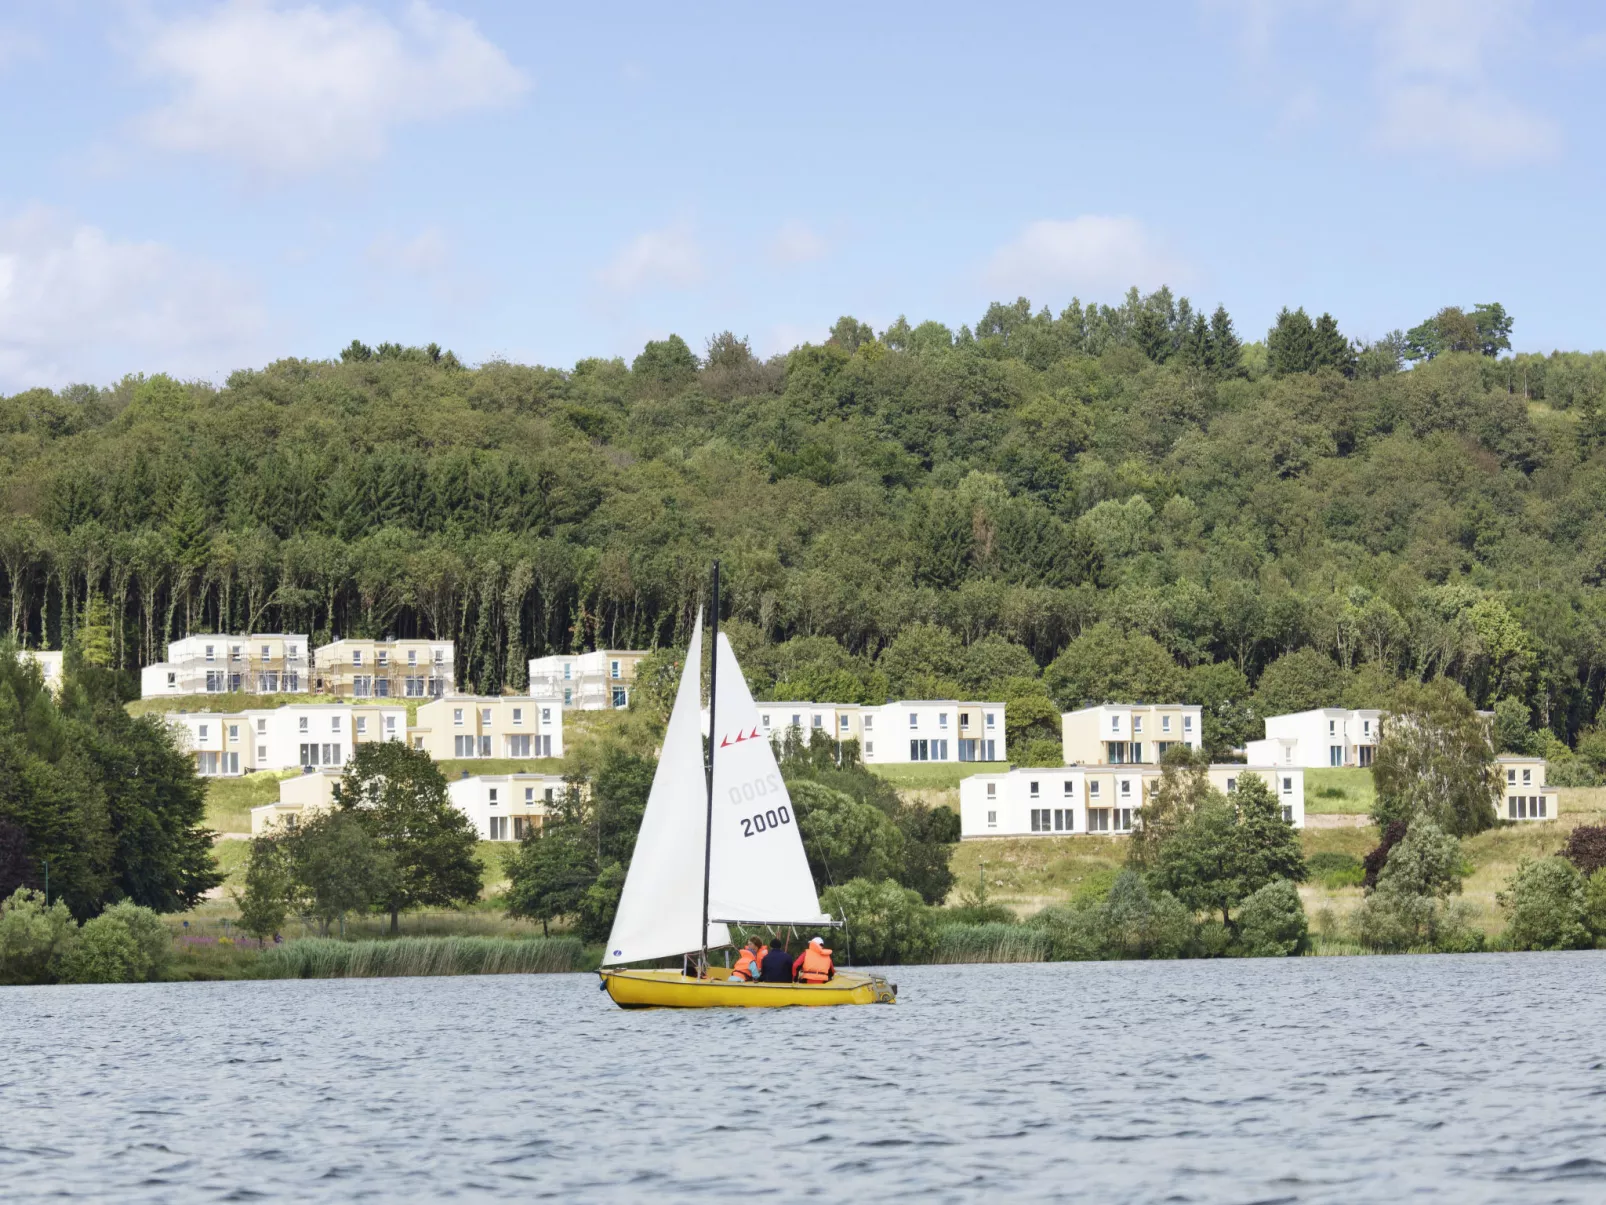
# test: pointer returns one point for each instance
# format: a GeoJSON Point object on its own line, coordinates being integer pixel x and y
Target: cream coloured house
{"type": "Point", "coordinates": [506, 807]}
{"type": "Point", "coordinates": [1097, 800]}
{"type": "Point", "coordinates": [464, 726]}
{"type": "Point", "coordinates": [226, 744]}
{"type": "Point", "coordinates": [1523, 794]}
{"type": "Point", "coordinates": [301, 796]}
{"type": "Point", "coordinates": [914, 730]}
{"type": "Point", "coordinates": [597, 681]}
{"type": "Point", "coordinates": [1119, 734]}
{"type": "Point", "coordinates": [262, 663]}
{"type": "Point", "coordinates": [385, 669]}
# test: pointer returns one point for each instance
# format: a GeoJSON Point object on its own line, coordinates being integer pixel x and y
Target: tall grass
{"type": "Point", "coordinates": [995, 942]}
{"type": "Point", "coordinates": [326, 958]}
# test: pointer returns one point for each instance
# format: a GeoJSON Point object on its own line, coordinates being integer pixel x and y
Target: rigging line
{"type": "Point", "coordinates": [713, 744]}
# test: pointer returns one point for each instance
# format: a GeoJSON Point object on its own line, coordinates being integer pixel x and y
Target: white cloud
{"type": "Point", "coordinates": [798, 243]}
{"type": "Point", "coordinates": [1437, 90]}
{"type": "Point", "coordinates": [77, 305]}
{"type": "Point", "coordinates": [291, 90]}
{"type": "Point", "coordinates": [1092, 256]}
{"type": "Point", "coordinates": [668, 258]}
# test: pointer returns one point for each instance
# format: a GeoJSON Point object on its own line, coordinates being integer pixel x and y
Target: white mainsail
{"type": "Point", "coordinates": [759, 872]}
{"type": "Point", "coordinates": [661, 908]}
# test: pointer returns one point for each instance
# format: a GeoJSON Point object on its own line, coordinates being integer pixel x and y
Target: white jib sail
{"type": "Point", "coordinates": [759, 871]}
{"type": "Point", "coordinates": [661, 908]}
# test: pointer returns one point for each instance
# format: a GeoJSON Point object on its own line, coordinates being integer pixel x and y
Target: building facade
{"type": "Point", "coordinates": [599, 681]}
{"type": "Point", "coordinates": [939, 730]}
{"type": "Point", "coordinates": [465, 726]}
{"type": "Point", "coordinates": [1124, 734]}
{"type": "Point", "coordinates": [297, 735]}
{"type": "Point", "coordinates": [263, 663]}
{"type": "Point", "coordinates": [1327, 737]}
{"type": "Point", "coordinates": [506, 807]}
{"type": "Point", "coordinates": [49, 663]}
{"type": "Point", "coordinates": [385, 669]}
{"type": "Point", "coordinates": [1098, 800]}
{"type": "Point", "coordinates": [300, 798]}
{"type": "Point", "coordinates": [1523, 794]}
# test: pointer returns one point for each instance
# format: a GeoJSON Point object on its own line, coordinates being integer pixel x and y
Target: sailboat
{"type": "Point", "coordinates": [719, 845]}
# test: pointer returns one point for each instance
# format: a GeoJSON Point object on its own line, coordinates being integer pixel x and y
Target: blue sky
{"type": "Point", "coordinates": [194, 188]}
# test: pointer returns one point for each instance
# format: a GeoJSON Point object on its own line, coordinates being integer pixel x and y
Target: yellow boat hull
{"type": "Point", "coordinates": [671, 989]}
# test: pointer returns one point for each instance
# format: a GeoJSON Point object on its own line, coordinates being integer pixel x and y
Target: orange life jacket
{"type": "Point", "coordinates": [746, 965]}
{"type": "Point", "coordinates": [816, 966]}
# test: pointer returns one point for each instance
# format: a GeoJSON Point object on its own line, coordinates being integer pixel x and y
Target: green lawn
{"type": "Point", "coordinates": [239, 701]}
{"type": "Point", "coordinates": [455, 768]}
{"type": "Point", "coordinates": [229, 800]}
{"type": "Point", "coordinates": [928, 776]}
{"type": "Point", "coordinates": [1343, 791]}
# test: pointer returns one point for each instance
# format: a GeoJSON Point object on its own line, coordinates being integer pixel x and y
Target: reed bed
{"type": "Point", "coordinates": [995, 942]}
{"type": "Point", "coordinates": [327, 958]}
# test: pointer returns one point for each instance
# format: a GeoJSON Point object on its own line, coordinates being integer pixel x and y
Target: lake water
{"type": "Point", "coordinates": [1474, 1078]}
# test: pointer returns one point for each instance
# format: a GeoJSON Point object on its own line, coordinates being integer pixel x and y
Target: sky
{"type": "Point", "coordinates": [195, 188]}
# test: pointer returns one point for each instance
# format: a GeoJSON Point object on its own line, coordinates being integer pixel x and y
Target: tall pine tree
{"type": "Point", "coordinates": [1291, 344]}
{"type": "Point", "coordinates": [1226, 351]}
{"type": "Point", "coordinates": [1330, 349]}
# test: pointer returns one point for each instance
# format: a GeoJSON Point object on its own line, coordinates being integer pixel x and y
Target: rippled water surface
{"type": "Point", "coordinates": [1476, 1078]}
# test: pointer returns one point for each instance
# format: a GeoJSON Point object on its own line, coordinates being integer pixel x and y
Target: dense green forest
{"type": "Point", "coordinates": [1131, 498]}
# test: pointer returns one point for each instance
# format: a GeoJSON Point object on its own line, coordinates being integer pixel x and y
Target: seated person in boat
{"type": "Point", "coordinates": [777, 964]}
{"type": "Point", "coordinates": [747, 960]}
{"type": "Point", "coordinates": [814, 965]}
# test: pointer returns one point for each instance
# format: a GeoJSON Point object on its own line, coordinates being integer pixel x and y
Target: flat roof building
{"type": "Point", "coordinates": [261, 663]}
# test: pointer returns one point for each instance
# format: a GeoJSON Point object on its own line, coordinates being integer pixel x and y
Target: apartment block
{"type": "Point", "coordinates": [490, 726]}
{"type": "Point", "coordinates": [1319, 739]}
{"type": "Point", "coordinates": [599, 681]}
{"type": "Point", "coordinates": [300, 798]}
{"type": "Point", "coordinates": [506, 807]}
{"type": "Point", "coordinates": [1523, 793]}
{"type": "Point", "coordinates": [262, 663]}
{"type": "Point", "coordinates": [1098, 800]}
{"type": "Point", "coordinates": [385, 669]}
{"type": "Point", "coordinates": [1124, 734]}
{"type": "Point", "coordinates": [919, 730]}
{"type": "Point", "coordinates": [225, 744]}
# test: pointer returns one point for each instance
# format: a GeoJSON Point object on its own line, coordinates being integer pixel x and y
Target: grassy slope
{"type": "Point", "coordinates": [1347, 791]}
{"type": "Point", "coordinates": [229, 800]}
{"type": "Point", "coordinates": [941, 776]}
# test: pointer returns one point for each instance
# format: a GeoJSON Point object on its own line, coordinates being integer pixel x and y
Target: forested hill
{"type": "Point", "coordinates": [1130, 479]}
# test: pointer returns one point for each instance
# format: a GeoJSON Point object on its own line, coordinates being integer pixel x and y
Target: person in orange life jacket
{"type": "Point", "coordinates": [777, 964]}
{"type": "Point", "coordinates": [814, 965]}
{"type": "Point", "coordinates": [746, 968]}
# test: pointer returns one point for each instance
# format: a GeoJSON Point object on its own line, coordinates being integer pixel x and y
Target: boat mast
{"type": "Point", "coordinates": [713, 741]}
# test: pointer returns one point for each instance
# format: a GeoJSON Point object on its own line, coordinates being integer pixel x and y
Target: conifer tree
{"type": "Point", "coordinates": [1226, 350]}
{"type": "Point", "coordinates": [1197, 353]}
{"type": "Point", "coordinates": [1152, 335]}
{"type": "Point", "coordinates": [1330, 349]}
{"type": "Point", "coordinates": [1291, 344]}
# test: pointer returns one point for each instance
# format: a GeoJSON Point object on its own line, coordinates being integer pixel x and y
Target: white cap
{"type": "Point", "coordinates": [815, 941]}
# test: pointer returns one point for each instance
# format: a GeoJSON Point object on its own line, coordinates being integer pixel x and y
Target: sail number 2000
{"type": "Point", "coordinates": [751, 792]}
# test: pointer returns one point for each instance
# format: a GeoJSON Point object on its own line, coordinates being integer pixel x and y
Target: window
{"type": "Point", "coordinates": [548, 795]}
{"type": "Point", "coordinates": [566, 674]}
{"type": "Point", "coordinates": [1137, 725]}
{"type": "Point", "coordinates": [529, 795]}
{"type": "Point", "coordinates": [942, 719]}
{"type": "Point", "coordinates": [262, 753]}
{"type": "Point", "coordinates": [362, 686]}
{"type": "Point", "coordinates": [1039, 820]}
{"type": "Point", "coordinates": [919, 751]}
{"type": "Point", "coordinates": [1232, 785]}
{"type": "Point", "coordinates": [1070, 788]}
{"type": "Point", "coordinates": [498, 827]}
{"type": "Point", "coordinates": [568, 697]}
{"type": "Point", "coordinates": [992, 819]}
{"type": "Point", "coordinates": [546, 715]}
{"type": "Point", "coordinates": [493, 796]}
{"type": "Point", "coordinates": [1165, 723]}
{"type": "Point", "coordinates": [518, 715]}
{"type": "Point", "coordinates": [390, 723]}
{"type": "Point", "coordinates": [939, 750]}
{"type": "Point", "coordinates": [992, 790]}
{"type": "Point", "coordinates": [869, 722]}
{"type": "Point", "coordinates": [334, 723]}
{"type": "Point", "coordinates": [1366, 727]}
{"type": "Point", "coordinates": [172, 678]}
{"type": "Point", "coordinates": [1511, 777]}
{"type": "Point", "coordinates": [331, 755]}
{"type": "Point", "coordinates": [844, 723]}
{"type": "Point", "coordinates": [457, 716]}
{"type": "Point", "coordinates": [412, 656]}
{"type": "Point", "coordinates": [1115, 723]}
{"type": "Point", "coordinates": [620, 699]}
{"type": "Point", "coordinates": [817, 718]}
{"type": "Point", "coordinates": [869, 748]}
{"type": "Point", "coordinates": [294, 652]}
{"type": "Point", "coordinates": [1064, 820]}
{"type": "Point", "coordinates": [302, 725]}
{"type": "Point", "coordinates": [613, 669]}
{"type": "Point", "coordinates": [485, 746]}
{"type": "Point", "coordinates": [1332, 727]}
{"type": "Point", "coordinates": [203, 732]}
{"type": "Point", "coordinates": [989, 719]}
{"type": "Point", "coordinates": [1527, 778]}
{"type": "Point", "coordinates": [362, 725]}
{"type": "Point", "coordinates": [914, 720]}
{"type": "Point", "coordinates": [1034, 790]}
{"type": "Point", "coordinates": [234, 652]}
{"type": "Point", "coordinates": [1126, 788]}
{"type": "Point", "coordinates": [356, 656]}
{"type": "Point", "coordinates": [1187, 723]}
{"type": "Point", "coordinates": [439, 656]}
{"type": "Point", "coordinates": [518, 744]}
{"type": "Point", "coordinates": [1098, 820]}
{"type": "Point", "coordinates": [234, 732]}
{"type": "Point", "coordinates": [1123, 820]}
{"type": "Point", "coordinates": [209, 656]}
{"type": "Point", "coordinates": [1288, 786]}
{"type": "Point", "coordinates": [384, 658]}
{"type": "Point", "coordinates": [797, 721]}
{"type": "Point", "coordinates": [1093, 790]}
{"type": "Point", "coordinates": [964, 719]}
{"type": "Point", "coordinates": [1288, 814]}
{"type": "Point", "coordinates": [462, 746]}
{"type": "Point", "coordinates": [765, 720]}
{"type": "Point", "coordinates": [1335, 755]}
{"type": "Point", "coordinates": [485, 715]}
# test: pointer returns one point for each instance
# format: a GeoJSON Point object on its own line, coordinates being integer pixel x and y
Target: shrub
{"type": "Point", "coordinates": [105, 952]}
{"type": "Point", "coordinates": [1595, 905]}
{"type": "Point", "coordinates": [1393, 921]}
{"type": "Point", "coordinates": [974, 914]}
{"type": "Point", "coordinates": [1130, 922]}
{"type": "Point", "coordinates": [1586, 848]}
{"type": "Point", "coordinates": [886, 923]}
{"type": "Point", "coordinates": [1074, 934]}
{"type": "Point", "coordinates": [1546, 903]}
{"type": "Point", "coordinates": [1271, 922]}
{"type": "Point", "coordinates": [990, 943]}
{"type": "Point", "coordinates": [33, 938]}
{"type": "Point", "coordinates": [1335, 870]}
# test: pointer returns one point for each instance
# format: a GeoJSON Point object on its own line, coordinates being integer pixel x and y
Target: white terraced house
{"type": "Point", "coordinates": [516, 726]}
{"type": "Point", "coordinates": [940, 730]}
{"type": "Point", "coordinates": [263, 663]}
{"type": "Point", "coordinates": [1319, 739]}
{"type": "Point", "coordinates": [385, 669]}
{"type": "Point", "coordinates": [1097, 800]}
{"type": "Point", "coordinates": [505, 807]}
{"type": "Point", "coordinates": [599, 681]}
{"type": "Point", "coordinates": [1523, 794]}
{"type": "Point", "coordinates": [1123, 734]}
{"type": "Point", "coordinates": [225, 744]}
